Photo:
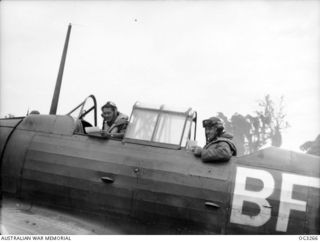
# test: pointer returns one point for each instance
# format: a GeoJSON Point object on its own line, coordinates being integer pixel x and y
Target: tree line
{"type": "Point", "coordinates": [251, 132]}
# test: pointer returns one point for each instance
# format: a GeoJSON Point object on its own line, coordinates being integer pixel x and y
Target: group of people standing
{"type": "Point", "coordinates": [219, 145]}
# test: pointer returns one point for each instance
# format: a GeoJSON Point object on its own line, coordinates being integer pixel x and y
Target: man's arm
{"type": "Point", "coordinates": [117, 135]}
{"type": "Point", "coordinates": [218, 152]}
{"type": "Point", "coordinates": [119, 130]}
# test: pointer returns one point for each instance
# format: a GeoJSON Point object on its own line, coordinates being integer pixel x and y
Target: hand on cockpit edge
{"type": "Point", "coordinates": [105, 134]}
{"type": "Point", "coordinates": [196, 150]}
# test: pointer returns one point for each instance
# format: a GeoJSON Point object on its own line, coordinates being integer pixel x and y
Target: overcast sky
{"type": "Point", "coordinates": [213, 56]}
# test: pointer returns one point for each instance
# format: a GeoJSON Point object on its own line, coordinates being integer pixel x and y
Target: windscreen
{"type": "Point", "coordinates": [142, 124]}
{"type": "Point", "coordinates": [170, 128]}
{"type": "Point", "coordinates": [158, 126]}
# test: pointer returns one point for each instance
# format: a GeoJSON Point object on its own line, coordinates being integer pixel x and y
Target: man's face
{"type": "Point", "coordinates": [211, 132]}
{"type": "Point", "coordinates": [108, 114]}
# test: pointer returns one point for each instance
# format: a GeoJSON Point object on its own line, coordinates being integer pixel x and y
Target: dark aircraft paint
{"type": "Point", "coordinates": [157, 190]}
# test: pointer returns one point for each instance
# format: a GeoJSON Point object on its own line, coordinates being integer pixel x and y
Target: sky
{"type": "Point", "coordinates": [212, 56]}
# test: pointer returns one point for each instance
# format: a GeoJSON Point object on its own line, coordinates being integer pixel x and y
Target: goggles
{"type": "Point", "coordinates": [210, 123]}
{"type": "Point", "coordinates": [207, 123]}
{"type": "Point", "coordinates": [110, 104]}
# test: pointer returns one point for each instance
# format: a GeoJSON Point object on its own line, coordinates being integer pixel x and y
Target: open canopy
{"type": "Point", "coordinates": [156, 125]}
{"type": "Point", "coordinates": [160, 124]}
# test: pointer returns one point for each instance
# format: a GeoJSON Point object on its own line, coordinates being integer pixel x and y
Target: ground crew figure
{"type": "Point", "coordinates": [219, 146]}
{"type": "Point", "coordinates": [114, 122]}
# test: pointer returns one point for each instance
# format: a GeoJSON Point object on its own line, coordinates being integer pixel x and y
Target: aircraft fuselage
{"type": "Point", "coordinates": [159, 190]}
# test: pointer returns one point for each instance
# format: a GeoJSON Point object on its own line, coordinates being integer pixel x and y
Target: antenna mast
{"type": "Point", "coordinates": [55, 98]}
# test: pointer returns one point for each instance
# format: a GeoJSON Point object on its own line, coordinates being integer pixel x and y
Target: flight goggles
{"type": "Point", "coordinates": [112, 104]}
{"type": "Point", "coordinates": [210, 122]}
{"type": "Point", "coordinates": [109, 104]}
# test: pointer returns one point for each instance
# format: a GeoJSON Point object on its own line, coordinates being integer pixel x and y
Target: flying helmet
{"type": "Point", "coordinates": [110, 104]}
{"type": "Point", "coordinates": [213, 121]}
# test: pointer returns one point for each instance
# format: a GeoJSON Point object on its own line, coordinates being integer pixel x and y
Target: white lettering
{"type": "Point", "coordinates": [287, 203]}
{"type": "Point", "coordinates": [258, 197]}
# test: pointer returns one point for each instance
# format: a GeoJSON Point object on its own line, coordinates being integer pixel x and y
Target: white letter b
{"type": "Point", "coordinates": [258, 197]}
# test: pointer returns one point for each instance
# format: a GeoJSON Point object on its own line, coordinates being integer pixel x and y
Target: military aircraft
{"type": "Point", "coordinates": [59, 175]}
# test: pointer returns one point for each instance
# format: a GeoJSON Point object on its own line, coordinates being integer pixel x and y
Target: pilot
{"type": "Point", "coordinates": [219, 146]}
{"type": "Point", "coordinates": [114, 122]}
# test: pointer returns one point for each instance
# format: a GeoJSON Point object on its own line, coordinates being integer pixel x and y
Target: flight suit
{"type": "Point", "coordinates": [220, 149]}
{"type": "Point", "coordinates": [118, 126]}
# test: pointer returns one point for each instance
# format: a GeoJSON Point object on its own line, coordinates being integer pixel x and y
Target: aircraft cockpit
{"type": "Point", "coordinates": [82, 113]}
{"type": "Point", "coordinates": [160, 126]}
